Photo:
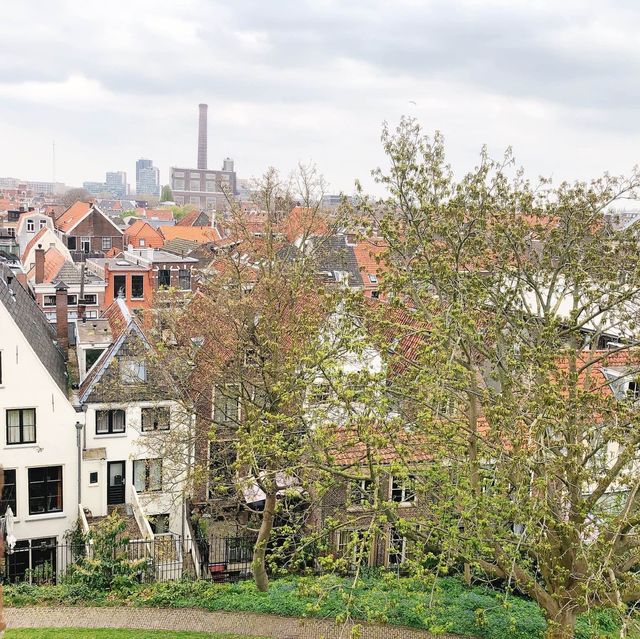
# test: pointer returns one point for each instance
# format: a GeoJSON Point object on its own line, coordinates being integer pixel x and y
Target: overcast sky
{"type": "Point", "coordinates": [312, 80]}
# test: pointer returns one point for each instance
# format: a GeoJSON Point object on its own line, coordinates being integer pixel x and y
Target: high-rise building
{"type": "Point", "coordinates": [117, 184]}
{"type": "Point", "coordinates": [147, 178]}
{"type": "Point", "coordinates": [206, 188]}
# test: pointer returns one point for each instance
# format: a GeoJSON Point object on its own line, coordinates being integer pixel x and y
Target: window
{"type": "Point", "coordinates": [164, 277]}
{"type": "Point", "coordinates": [184, 279]}
{"type": "Point", "coordinates": [8, 497]}
{"type": "Point", "coordinates": [194, 199]}
{"type": "Point", "coordinates": [211, 186]}
{"type": "Point", "coordinates": [120, 286]}
{"type": "Point", "coordinates": [93, 477]}
{"type": "Point", "coordinates": [320, 393]}
{"type": "Point", "coordinates": [85, 244]}
{"type": "Point", "coordinates": [159, 523]}
{"type": "Point", "coordinates": [45, 490]}
{"type": "Point", "coordinates": [21, 426]}
{"type": "Point", "coordinates": [375, 295]}
{"type": "Point", "coordinates": [397, 548]}
{"type": "Point", "coordinates": [43, 223]}
{"type": "Point", "coordinates": [156, 418]}
{"type": "Point", "coordinates": [633, 391]}
{"type": "Point", "coordinates": [372, 278]}
{"type": "Point", "coordinates": [361, 492]}
{"type": "Point", "coordinates": [133, 371]}
{"type": "Point", "coordinates": [351, 544]}
{"type": "Point", "coordinates": [147, 475]}
{"type": "Point", "coordinates": [226, 405]}
{"type": "Point", "coordinates": [31, 227]}
{"type": "Point", "coordinates": [403, 490]}
{"type": "Point", "coordinates": [194, 185]}
{"type": "Point", "coordinates": [106, 243]}
{"type": "Point", "coordinates": [71, 243]}
{"type": "Point", "coordinates": [137, 287]}
{"type": "Point", "coordinates": [72, 300]}
{"type": "Point", "coordinates": [110, 421]}
{"type": "Point", "coordinates": [141, 242]}
{"type": "Point", "coordinates": [90, 299]}
{"type": "Point", "coordinates": [49, 300]}
{"type": "Point", "coordinates": [178, 184]}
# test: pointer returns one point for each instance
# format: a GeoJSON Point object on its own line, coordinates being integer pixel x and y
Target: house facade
{"type": "Point", "coordinates": [38, 444]}
{"type": "Point", "coordinates": [88, 232]}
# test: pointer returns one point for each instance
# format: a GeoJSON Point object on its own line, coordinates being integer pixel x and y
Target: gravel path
{"type": "Point", "coordinates": [250, 624]}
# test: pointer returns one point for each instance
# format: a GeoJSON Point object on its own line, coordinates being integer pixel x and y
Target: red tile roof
{"type": "Point", "coordinates": [53, 262]}
{"type": "Point", "coordinates": [73, 215]}
{"type": "Point", "coordinates": [165, 215]}
{"type": "Point", "coordinates": [200, 234]}
{"type": "Point", "coordinates": [303, 221]}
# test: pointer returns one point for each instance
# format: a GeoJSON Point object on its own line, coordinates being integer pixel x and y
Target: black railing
{"type": "Point", "coordinates": [167, 557]}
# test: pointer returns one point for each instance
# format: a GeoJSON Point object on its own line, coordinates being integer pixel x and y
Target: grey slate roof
{"type": "Point", "coordinates": [180, 246]}
{"type": "Point", "coordinates": [331, 254]}
{"type": "Point", "coordinates": [69, 273]}
{"type": "Point", "coordinates": [34, 326]}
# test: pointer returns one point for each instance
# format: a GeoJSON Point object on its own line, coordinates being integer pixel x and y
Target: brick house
{"type": "Point", "coordinates": [88, 232]}
{"type": "Point", "coordinates": [141, 234]}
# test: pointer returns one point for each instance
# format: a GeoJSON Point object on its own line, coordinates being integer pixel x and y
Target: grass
{"type": "Point", "coordinates": [443, 605]}
{"type": "Point", "coordinates": [93, 633]}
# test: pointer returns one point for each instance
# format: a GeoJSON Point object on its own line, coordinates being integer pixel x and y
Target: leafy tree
{"type": "Point", "coordinates": [527, 426]}
{"type": "Point", "coordinates": [249, 347]}
{"type": "Point", "coordinates": [167, 194]}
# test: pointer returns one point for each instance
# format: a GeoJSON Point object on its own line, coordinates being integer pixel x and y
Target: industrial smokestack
{"type": "Point", "coordinates": [202, 137]}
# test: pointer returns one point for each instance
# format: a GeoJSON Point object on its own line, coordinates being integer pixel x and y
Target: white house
{"type": "Point", "coordinates": [29, 225]}
{"type": "Point", "coordinates": [38, 451]}
{"type": "Point", "coordinates": [130, 420]}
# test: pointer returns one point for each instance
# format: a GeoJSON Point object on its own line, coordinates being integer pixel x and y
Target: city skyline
{"type": "Point", "coordinates": [314, 82]}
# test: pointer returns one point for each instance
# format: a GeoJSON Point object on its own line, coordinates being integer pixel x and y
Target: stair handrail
{"type": "Point", "coordinates": [142, 521]}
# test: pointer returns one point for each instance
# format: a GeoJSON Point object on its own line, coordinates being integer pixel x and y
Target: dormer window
{"type": "Point", "coordinates": [373, 278]}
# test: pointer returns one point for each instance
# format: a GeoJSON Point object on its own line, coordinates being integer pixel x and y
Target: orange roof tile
{"type": "Point", "coordinates": [73, 215]}
{"type": "Point", "coordinates": [166, 215]}
{"type": "Point", "coordinates": [368, 254]}
{"type": "Point", "coordinates": [53, 262]}
{"type": "Point", "coordinates": [303, 221]}
{"type": "Point", "coordinates": [200, 234]}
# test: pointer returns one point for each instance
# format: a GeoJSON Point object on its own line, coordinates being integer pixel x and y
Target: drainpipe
{"type": "Point", "coordinates": [79, 446]}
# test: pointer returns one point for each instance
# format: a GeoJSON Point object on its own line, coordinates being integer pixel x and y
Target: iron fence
{"type": "Point", "coordinates": [167, 557]}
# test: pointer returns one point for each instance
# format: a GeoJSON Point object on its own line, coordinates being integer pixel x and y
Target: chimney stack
{"type": "Point", "coordinates": [202, 137]}
{"type": "Point", "coordinates": [62, 319]}
{"type": "Point", "coordinates": [39, 264]}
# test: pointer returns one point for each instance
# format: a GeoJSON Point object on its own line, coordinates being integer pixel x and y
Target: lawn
{"type": "Point", "coordinates": [92, 633]}
{"type": "Point", "coordinates": [443, 605]}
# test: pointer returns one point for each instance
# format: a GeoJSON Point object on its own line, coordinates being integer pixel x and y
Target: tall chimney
{"type": "Point", "coordinates": [39, 264]}
{"type": "Point", "coordinates": [62, 320]}
{"type": "Point", "coordinates": [202, 137]}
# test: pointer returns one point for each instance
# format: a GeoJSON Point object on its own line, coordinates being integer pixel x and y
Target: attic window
{"type": "Point", "coordinates": [633, 391]}
{"type": "Point", "coordinates": [30, 226]}
{"type": "Point", "coordinates": [133, 371]}
{"type": "Point", "coordinates": [373, 278]}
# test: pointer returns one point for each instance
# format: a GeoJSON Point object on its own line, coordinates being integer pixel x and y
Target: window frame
{"type": "Point", "coordinates": [407, 493]}
{"type": "Point", "coordinates": [133, 287]}
{"type": "Point", "coordinates": [155, 409]}
{"type": "Point", "coordinates": [11, 501]}
{"type": "Point", "coordinates": [184, 276]}
{"type": "Point", "coordinates": [31, 225]}
{"type": "Point", "coordinates": [163, 282]}
{"type": "Point", "coordinates": [361, 493]}
{"type": "Point", "coordinates": [107, 243]}
{"type": "Point", "coordinates": [147, 475]}
{"type": "Point", "coordinates": [110, 421]}
{"type": "Point", "coordinates": [72, 243]}
{"type": "Point", "coordinates": [46, 481]}
{"type": "Point", "coordinates": [21, 426]}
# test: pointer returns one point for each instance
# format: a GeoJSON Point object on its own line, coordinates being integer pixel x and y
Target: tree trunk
{"type": "Point", "coordinates": [561, 625]}
{"type": "Point", "coordinates": [260, 550]}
